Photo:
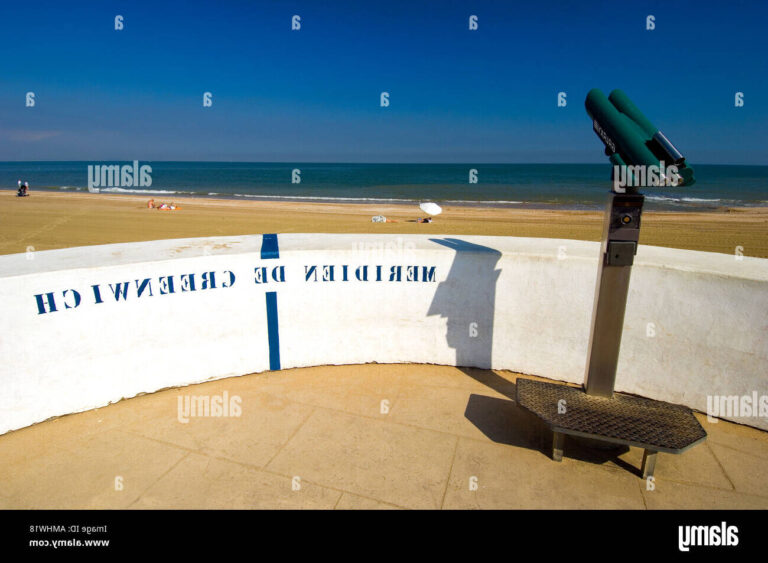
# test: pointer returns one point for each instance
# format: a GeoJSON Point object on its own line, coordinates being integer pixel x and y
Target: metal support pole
{"type": "Point", "coordinates": [557, 446]}
{"type": "Point", "coordinates": [649, 463]}
{"type": "Point", "coordinates": [621, 231]}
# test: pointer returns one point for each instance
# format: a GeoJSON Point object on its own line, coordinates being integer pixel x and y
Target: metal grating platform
{"type": "Point", "coordinates": [633, 421]}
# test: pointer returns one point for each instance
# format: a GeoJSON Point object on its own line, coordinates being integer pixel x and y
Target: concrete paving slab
{"type": "Point", "coordinates": [668, 495]}
{"type": "Point", "coordinates": [696, 466]}
{"type": "Point", "coordinates": [493, 476]}
{"type": "Point", "coordinates": [266, 421]}
{"type": "Point", "coordinates": [351, 397]}
{"type": "Point", "coordinates": [743, 469]}
{"type": "Point", "coordinates": [5, 503]}
{"type": "Point", "coordinates": [461, 412]}
{"type": "Point", "coordinates": [736, 436]}
{"type": "Point", "coordinates": [325, 426]}
{"type": "Point", "coordinates": [472, 379]}
{"type": "Point", "coordinates": [109, 470]}
{"type": "Point", "coordinates": [203, 482]}
{"type": "Point", "coordinates": [402, 465]}
{"type": "Point", "coordinates": [351, 501]}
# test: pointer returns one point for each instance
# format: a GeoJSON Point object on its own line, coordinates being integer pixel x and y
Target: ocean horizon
{"type": "Point", "coordinates": [570, 186]}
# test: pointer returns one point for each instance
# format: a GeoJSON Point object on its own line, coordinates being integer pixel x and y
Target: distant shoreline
{"type": "Point", "coordinates": [650, 205]}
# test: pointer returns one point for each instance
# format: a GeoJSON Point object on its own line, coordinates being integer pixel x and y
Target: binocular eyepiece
{"type": "Point", "coordinates": [641, 154]}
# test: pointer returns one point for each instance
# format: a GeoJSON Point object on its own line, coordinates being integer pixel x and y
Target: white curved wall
{"type": "Point", "coordinates": [509, 303]}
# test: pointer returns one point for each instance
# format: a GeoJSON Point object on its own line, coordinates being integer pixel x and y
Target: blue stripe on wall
{"type": "Point", "coordinates": [273, 331]}
{"type": "Point", "coordinates": [269, 247]}
{"type": "Point", "coordinates": [270, 250]}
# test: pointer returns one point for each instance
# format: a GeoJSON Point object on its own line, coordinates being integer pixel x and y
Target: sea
{"type": "Point", "coordinates": [567, 186]}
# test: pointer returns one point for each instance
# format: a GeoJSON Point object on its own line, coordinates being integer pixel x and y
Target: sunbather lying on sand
{"type": "Point", "coordinates": [164, 206]}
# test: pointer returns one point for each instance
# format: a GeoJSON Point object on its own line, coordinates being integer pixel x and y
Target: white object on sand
{"type": "Point", "coordinates": [378, 219]}
{"type": "Point", "coordinates": [431, 208]}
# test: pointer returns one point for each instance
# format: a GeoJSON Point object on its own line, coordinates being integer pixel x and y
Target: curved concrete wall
{"type": "Point", "coordinates": [132, 318]}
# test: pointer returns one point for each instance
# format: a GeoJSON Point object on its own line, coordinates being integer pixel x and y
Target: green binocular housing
{"type": "Point", "coordinates": [631, 140]}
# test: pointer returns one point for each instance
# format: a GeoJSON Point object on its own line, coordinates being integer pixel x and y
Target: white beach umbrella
{"type": "Point", "coordinates": [431, 208]}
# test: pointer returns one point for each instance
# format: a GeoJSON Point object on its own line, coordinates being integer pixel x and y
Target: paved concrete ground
{"type": "Point", "coordinates": [372, 436]}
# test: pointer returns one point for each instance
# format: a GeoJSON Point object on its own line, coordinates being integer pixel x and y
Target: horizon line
{"type": "Point", "coordinates": [476, 163]}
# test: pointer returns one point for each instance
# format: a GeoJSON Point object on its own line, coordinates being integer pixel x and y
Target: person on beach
{"type": "Point", "coordinates": [165, 206]}
{"type": "Point", "coordinates": [23, 189]}
{"type": "Point", "coordinates": [382, 219]}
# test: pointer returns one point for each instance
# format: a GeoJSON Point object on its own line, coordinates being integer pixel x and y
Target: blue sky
{"type": "Point", "coordinates": [313, 95]}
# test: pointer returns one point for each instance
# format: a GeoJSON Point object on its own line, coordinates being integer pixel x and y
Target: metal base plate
{"type": "Point", "coordinates": [621, 419]}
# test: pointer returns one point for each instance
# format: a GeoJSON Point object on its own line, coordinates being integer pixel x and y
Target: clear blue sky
{"type": "Point", "coordinates": [313, 95]}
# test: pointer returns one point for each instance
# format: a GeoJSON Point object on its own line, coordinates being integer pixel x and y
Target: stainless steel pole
{"type": "Point", "coordinates": [621, 231]}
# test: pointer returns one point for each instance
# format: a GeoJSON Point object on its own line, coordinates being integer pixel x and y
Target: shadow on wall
{"type": "Point", "coordinates": [467, 299]}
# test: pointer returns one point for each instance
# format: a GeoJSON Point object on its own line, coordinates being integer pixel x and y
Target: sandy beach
{"type": "Point", "coordinates": [50, 220]}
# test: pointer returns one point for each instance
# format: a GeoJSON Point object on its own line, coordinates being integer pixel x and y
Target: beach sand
{"type": "Point", "coordinates": [49, 220]}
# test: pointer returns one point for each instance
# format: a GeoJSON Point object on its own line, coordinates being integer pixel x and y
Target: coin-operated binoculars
{"type": "Point", "coordinates": [642, 157]}
{"type": "Point", "coordinates": [634, 144]}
